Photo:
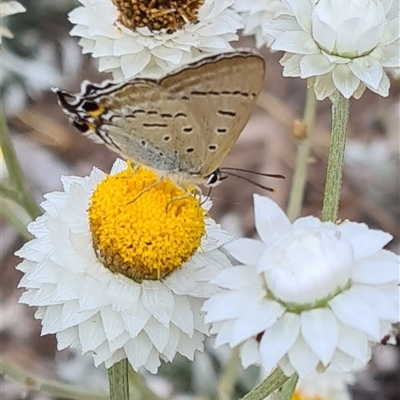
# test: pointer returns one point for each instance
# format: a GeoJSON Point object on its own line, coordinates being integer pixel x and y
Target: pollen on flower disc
{"type": "Point", "coordinates": [170, 15]}
{"type": "Point", "coordinates": [144, 234]}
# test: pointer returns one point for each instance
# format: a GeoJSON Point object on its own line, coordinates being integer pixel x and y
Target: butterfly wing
{"type": "Point", "coordinates": [138, 119]}
{"type": "Point", "coordinates": [221, 91]}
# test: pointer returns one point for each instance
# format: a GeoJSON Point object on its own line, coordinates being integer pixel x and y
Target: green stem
{"type": "Point", "coordinates": [118, 380]}
{"type": "Point", "coordinates": [227, 381]}
{"type": "Point", "coordinates": [15, 218]}
{"type": "Point", "coordinates": [265, 388]}
{"type": "Point", "coordinates": [287, 390]}
{"type": "Point", "coordinates": [15, 173]}
{"type": "Point", "coordinates": [45, 386]}
{"type": "Point", "coordinates": [303, 150]}
{"type": "Point", "coordinates": [340, 117]}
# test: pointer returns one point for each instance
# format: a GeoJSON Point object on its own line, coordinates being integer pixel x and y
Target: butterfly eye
{"type": "Point", "coordinates": [215, 178]}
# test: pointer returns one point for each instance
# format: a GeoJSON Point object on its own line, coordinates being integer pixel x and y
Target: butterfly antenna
{"type": "Point", "coordinates": [207, 197]}
{"type": "Point", "coordinates": [250, 181]}
{"type": "Point", "coordinates": [252, 172]}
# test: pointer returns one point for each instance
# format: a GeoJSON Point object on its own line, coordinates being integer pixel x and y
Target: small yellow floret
{"type": "Point", "coordinates": [299, 396]}
{"type": "Point", "coordinates": [144, 234]}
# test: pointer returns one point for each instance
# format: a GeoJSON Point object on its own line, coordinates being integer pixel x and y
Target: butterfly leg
{"type": "Point", "coordinates": [196, 191]}
{"type": "Point", "coordinates": [146, 190]}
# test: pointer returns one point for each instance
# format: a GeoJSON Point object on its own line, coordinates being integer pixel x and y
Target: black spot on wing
{"type": "Point", "coordinates": [227, 113]}
{"type": "Point", "coordinates": [155, 125]}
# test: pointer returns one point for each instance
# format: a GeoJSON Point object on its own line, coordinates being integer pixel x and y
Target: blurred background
{"type": "Point", "coordinates": [42, 54]}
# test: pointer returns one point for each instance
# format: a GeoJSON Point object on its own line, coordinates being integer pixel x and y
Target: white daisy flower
{"type": "Point", "coordinates": [121, 278]}
{"type": "Point", "coordinates": [255, 14]}
{"type": "Point", "coordinates": [152, 36]}
{"type": "Point", "coordinates": [341, 44]}
{"type": "Point", "coordinates": [9, 8]}
{"type": "Point", "coordinates": [309, 295]}
{"type": "Point", "coordinates": [329, 385]}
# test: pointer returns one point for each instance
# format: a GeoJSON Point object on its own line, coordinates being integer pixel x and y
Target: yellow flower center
{"type": "Point", "coordinates": [144, 227]}
{"type": "Point", "coordinates": [299, 396]}
{"type": "Point", "coordinates": [170, 15]}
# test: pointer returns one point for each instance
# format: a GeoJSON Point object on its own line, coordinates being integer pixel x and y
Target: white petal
{"type": "Point", "coordinates": [365, 241]}
{"type": "Point", "coordinates": [344, 80]}
{"type": "Point", "coordinates": [158, 300]}
{"type": "Point", "coordinates": [103, 48]}
{"type": "Point", "coordinates": [271, 222]}
{"type": "Point", "coordinates": [138, 350]}
{"type": "Point", "coordinates": [122, 293]}
{"type": "Point", "coordinates": [286, 366]}
{"type": "Point", "coordinates": [67, 338]}
{"type": "Point", "coordinates": [381, 268]}
{"type": "Point", "coordinates": [91, 334]}
{"type": "Point", "coordinates": [223, 331]}
{"type": "Point", "coordinates": [51, 321]}
{"type": "Point", "coordinates": [102, 354]}
{"type": "Point", "coordinates": [388, 55]}
{"type": "Point", "coordinates": [114, 358]}
{"type": "Point", "coordinates": [302, 10]}
{"type": "Point", "coordinates": [126, 45]}
{"type": "Point", "coordinates": [173, 341]}
{"type": "Point", "coordinates": [153, 362]}
{"type": "Point", "coordinates": [183, 316]}
{"type": "Point", "coordinates": [291, 64]}
{"type": "Point", "coordinates": [343, 362]}
{"type": "Point", "coordinates": [249, 353]}
{"type": "Point", "coordinates": [10, 8]}
{"type": "Point", "coordinates": [198, 315]}
{"type": "Point", "coordinates": [133, 64]}
{"type": "Point", "coordinates": [246, 251]}
{"type": "Point", "coordinates": [378, 301]}
{"type": "Point", "coordinates": [107, 64]}
{"type": "Point", "coordinates": [119, 341]}
{"type": "Point", "coordinates": [92, 294]}
{"type": "Point", "coordinates": [384, 85]}
{"type": "Point", "coordinates": [314, 65]}
{"type": "Point", "coordinates": [135, 318]}
{"type": "Point", "coordinates": [71, 315]}
{"type": "Point", "coordinates": [324, 86]}
{"type": "Point", "coordinates": [302, 358]}
{"type": "Point", "coordinates": [187, 346]}
{"type": "Point", "coordinates": [354, 313]}
{"type": "Point", "coordinates": [237, 277]}
{"type": "Point", "coordinates": [230, 304]}
{"type": "Point", "coordinates": [298, 42]}
{"type": "Point", "coordinates": [319, 328]}
{"type": "Point", "coordinates": [368, 70]}
{"type": "Point", "coordinates": [257, 319]}
{"type": "Point", "coordinates": [353, 342]}
{"type": "Point", "coordinates": [157, 333]}
{"type": "Point", "coordinates": [171, 55]}
{"type": "Point", "coordinates": [278, 339]}
{"type": "Point", "coordinates": [113, 324]}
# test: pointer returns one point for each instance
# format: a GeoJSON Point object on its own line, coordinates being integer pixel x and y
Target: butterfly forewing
{"type": "Point", "coordinates": [221, 91]}
{"type": "Point", "coordinates": [185, 122]}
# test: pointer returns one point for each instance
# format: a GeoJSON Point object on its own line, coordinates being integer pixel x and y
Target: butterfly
{"type": "Point", "coordinates": [181, 125]}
